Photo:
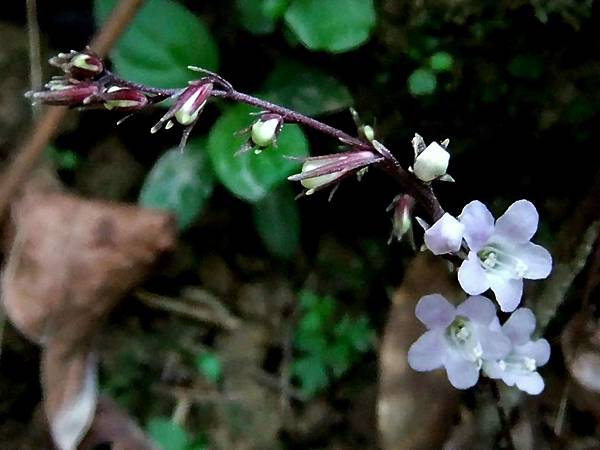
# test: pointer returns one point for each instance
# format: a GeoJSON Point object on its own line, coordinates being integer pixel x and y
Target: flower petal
{"type": "Point", "coordinates": [435, 311]}
{"type": "Point", "coordinates": [520, 326]}
{"type": "Point", "coordinates": [538, 350]}
{"type": "Point", "coordinates": [495, 344]}
{"type": "Point", "coordinates": [492, 369]}
{"type": "Point", "coordinates": [537, 259]}
{"type": "Point", "coordinates": [508, 291]}
{"type": "Point", "coordinates": [471, 276]}
{"type": "Point", "coordinates": [444, 236]}
{"type": "Point", "coordinates": [428, 352]}
{"type": "Point", "coordinates": [478, 308]}
{"type": "Point", "coordinates": [531, 383]}
{"type": "Point", "coordinates": [462, 374]}
{"type": "Point", "coordinates": [479, 224]}
{"type": "Point", "coordinates": [519, 223]}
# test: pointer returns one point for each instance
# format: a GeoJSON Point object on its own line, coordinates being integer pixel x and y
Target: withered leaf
{"type": "Point", "coordinates": [71, 261]}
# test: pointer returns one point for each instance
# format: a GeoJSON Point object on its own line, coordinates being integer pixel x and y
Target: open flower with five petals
{"type": "Point", "coordinates": [500, 252]}
{"type": "Point", "coordinates": [458, 339]}
{"type": "Point", "coordinates": [519, 367]}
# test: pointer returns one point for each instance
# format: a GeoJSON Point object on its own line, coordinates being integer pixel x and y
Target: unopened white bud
{"type": "Point", "coordinates": [265, 132]}
{"type": "Point", "coordinates": [431, 163]}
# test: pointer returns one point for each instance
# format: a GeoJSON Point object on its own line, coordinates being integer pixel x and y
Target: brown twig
{"type": "Point", "coordinates": [45, 129]}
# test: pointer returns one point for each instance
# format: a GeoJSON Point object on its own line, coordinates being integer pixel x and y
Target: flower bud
{"type": "Point", "coordinates": [63, 92]}
{"type": "Point", "coordinates": [265, 130]}
{"type": "Point", "coordinates": [321, 171]}
{"type": "Point", "coordinates": [188, 105]}
{"type": "Point", "coordinates": [431, 163]}
{"type": "Point", "coordinates": [79, 65]}
{"type": "Point", "coordinates": [124, 99]}
{"type": "Point", "coordinates": [402, 206]}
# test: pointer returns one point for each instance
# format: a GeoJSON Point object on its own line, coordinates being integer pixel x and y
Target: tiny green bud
{"type": "Point", "coordinates": [264, 131]}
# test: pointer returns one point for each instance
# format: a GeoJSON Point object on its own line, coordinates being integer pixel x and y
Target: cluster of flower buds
{"type": "Point", "coordinates": [84, 84]}
{"type": "Point", "coordinates": [465, 339]}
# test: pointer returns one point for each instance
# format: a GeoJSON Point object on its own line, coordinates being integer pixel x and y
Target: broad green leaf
{"type": "Point", "coordinates": [209, 365]}
{"type": "Point", "coordinates": [305, 89]}
{"type": "Point", "coordinates": [260, 16]}
{"type": "Point", "coordinates": [278, 222]}
{"type": "Point", "coordinates": [168, 434]}
{"type": "Point", "coordinates": [422, 82]}
{"type": "Point", "coordinates": [441, 62]}
{"type": "Point", "coordinates": [161, 41]}
{"type": "Point", "coordinates": [250, 176]}
{"type": "Point", "coordinates": [331, 25]}
{"type": "Point", "coordinates": [180, 182]}
{"type": "Point", "coordinates": [526, 66]}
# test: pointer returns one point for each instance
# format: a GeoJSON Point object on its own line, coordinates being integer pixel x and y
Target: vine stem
{"type": "Point", "coordinates": [422, 192]}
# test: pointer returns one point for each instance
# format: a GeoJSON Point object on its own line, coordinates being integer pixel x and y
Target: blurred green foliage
{"type": "Point", "coordinates": [327, 343]}
{"type": "Point", "coordinates": [161, 41]}
{"type": "Point", "coordinates": [172, 436]}
{"type": "Point", "coordinates": [209, 365]}
{"type": "Point", "coordinates": [180, 182]}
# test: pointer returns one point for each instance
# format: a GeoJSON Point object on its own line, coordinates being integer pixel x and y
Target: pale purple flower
{"type": "Point", "coordinates": [457, 338]}
{"type": "Point", "coordinates": [445, 236]}
{"type": "Point", "coordinates": [519, 366]}
{"type": "Point", "coordinates": [500, 253]}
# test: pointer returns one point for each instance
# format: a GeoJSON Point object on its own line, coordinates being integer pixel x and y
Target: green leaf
{"type": "Point", "coordinates": [161, 41]}
{"type": "Point", "coordinates": [209, 365]}
{"type": "Point", "coordinates": [441, 62]}
{"type": "Point", "coordinates": [168, 434]}
{"type": "Point", "coordinates": [277, 221]}
{"type": "Point", "coordinates": [422, 82]}
{"type": "Point", "coordinates": [180, 182]}
{"type": "Point", "coordinates": [311, 373]}
{"type": "Point", "coordinates": [332, 25]}
{"type": "Point", "coordinates": [260, 16]}
{"type": "Point", "coordinates": [305, 89]}
{"type": "Point", "coordinates": [250, 176]}
{"type": "Point", "coordinates": [526, 66]}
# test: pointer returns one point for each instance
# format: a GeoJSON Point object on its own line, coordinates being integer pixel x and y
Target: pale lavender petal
{"type": "Point", "coordinates": [537, 259]}
{"type": "Point", "coordinates": [519, 223]}
{"type": "Point", "coordinates": [479, 224]}
{"type": "Point", "coordinates": [435, 311]}
{"type": "Point", "coordinates": [492, 369]}
{"type": "Point", "coordinates": [538, 350]}
{"type": "Point", "coordinates": [520, 326]}
{"type": "Point", "coordinates": [444, 236]}
{"type": "Point", "coordinates": [531, 383]}
{"type": "Point", "coordinates": [471, 276]}
{"type": "Point", "coordinates": [462, 374]}
{"type": "Point", "coordinates": [508, 291]}
{"type": "Point", "coordinates": [428, 352]}
{"type": "Point", "coordinates": [495, 344]}
{"type": "Point", "coordinates": [478, 308]}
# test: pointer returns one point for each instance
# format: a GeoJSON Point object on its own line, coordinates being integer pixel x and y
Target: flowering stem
{"type": "Point", "coordinates": [421, 191]}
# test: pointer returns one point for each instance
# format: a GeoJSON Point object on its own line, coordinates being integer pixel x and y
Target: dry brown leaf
{"type": "Point", "coordinates": [71, 261]}
{"type": "Point", "coordinates": [415, 410]}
